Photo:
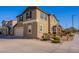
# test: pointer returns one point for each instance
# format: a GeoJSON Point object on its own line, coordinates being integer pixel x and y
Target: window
{"type": "Point", "coordinates": [40, 28]}
{"type": "Point", "coordinates": [54, 29]}
{"type": "Point", "coordinates": [21, 18]}
{"type": "Point", "coordinates": [29, 29]}
{"type": "Point", "coordinates": [43, 16]}
{"type": "Point", "coordinates": [28, 15]}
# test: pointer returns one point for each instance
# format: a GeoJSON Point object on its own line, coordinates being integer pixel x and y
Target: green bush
{"type": "Point", "coordinates": [56, 40]}
{"type": "Point", "coordinates": [45, 37]}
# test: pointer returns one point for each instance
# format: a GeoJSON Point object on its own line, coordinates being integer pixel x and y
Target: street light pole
{"type": "Point", "coordinates": [73, 21]}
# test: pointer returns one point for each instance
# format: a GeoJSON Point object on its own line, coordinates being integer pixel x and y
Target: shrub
{"type": "Point", "coordinates": [45, 37]}
{"type": "Point", "coordinates": [71, 35]}
{"type": "Point", "coordinates": [56, 40]}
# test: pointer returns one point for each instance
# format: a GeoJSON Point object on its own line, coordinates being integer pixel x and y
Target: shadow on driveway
{"type": "Point", "coordinates": [11, 37]}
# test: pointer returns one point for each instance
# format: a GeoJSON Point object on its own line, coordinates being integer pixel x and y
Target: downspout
{"type": "Point", "coordinates": [49, 33]}
{"type": "Point", "coordinates": [49, 23]}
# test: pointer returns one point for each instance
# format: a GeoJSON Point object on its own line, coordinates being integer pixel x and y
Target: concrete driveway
{"type": "Point", "coordinates": [37, 46]}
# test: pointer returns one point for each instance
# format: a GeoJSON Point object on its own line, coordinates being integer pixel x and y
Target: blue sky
{"type": "Point", "coordinates": [63, 13]}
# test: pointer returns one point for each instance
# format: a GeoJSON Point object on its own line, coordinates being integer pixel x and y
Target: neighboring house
{"type": "Point", "coordinates": [8, 26]}
{"type": "Point", "coordinates": [4, 27]}
{"type": "Point", "coordinates": [34, 22]}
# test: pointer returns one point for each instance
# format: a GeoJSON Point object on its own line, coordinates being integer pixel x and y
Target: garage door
{"type": "Point", "coordinates": [18, 31]}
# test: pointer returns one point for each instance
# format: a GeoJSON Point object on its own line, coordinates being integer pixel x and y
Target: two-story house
{"type": "Point", "coordinates": [7, 26]}
{"type": "Point", "coordinates": [4, 27]}
{"type": "Point", "coordinates": [33, 22]}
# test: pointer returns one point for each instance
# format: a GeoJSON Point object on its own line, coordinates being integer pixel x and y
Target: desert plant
{"type": "Point", "coordinates": [45, 37]}
{"type": "Point", "coordinates": [55, 40]}
{"type": "Point", "coordinates": [71, 34]}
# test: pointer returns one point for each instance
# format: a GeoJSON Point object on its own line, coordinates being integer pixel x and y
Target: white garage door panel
{"type": "Point", "coordinates": [19, 31]}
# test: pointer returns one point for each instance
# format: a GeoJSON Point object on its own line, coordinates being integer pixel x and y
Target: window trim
{"type": "Point", "coordinates": [29, 16]}
{"type": "Point", "coordinates": [21, 18]}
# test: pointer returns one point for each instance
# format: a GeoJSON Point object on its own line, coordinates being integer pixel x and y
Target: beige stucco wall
{"type": "Point", "coordinates": [20, 24]}
{"type": "Point", "coordinates": [34, 30]}
{"type": "Point", "coordinates": [43, 23]}
{"type": "Point", "coordinates": [14, 22]}
{"type": "Point", "coordinates": [53, 22]}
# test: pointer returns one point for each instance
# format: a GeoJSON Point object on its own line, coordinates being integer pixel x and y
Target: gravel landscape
{"type": "Point", "coordinates": [37, 46]}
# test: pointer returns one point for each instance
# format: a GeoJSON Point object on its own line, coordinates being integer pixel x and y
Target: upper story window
{"type": "Point", "coordinates": [29, 15]}
{"type": "Point", "coordinates": [21, 18]}
{"type": "Point", "coordinates": [43, 16]}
